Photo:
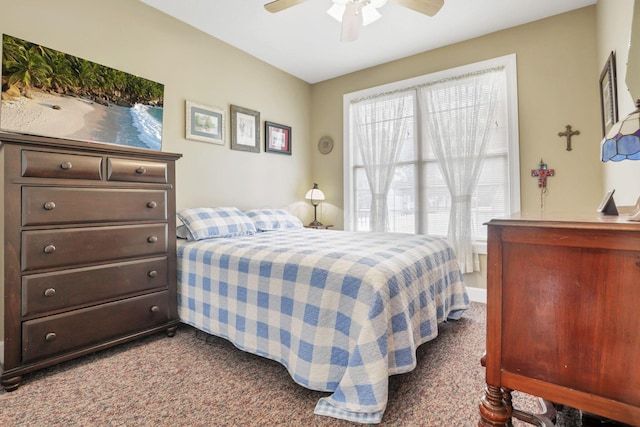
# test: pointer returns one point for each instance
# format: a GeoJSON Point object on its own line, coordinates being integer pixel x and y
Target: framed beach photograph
{"type": "Point", "coordinates": [277, 138]}
{"type": "Point", "coordinates": [245, 129]}
{"type": "Point", "coordinates": [608, 94]}
{"type": "Point", "coordinates": [51, 93]}
{"type": "Point", "coordinates": [204, 123]}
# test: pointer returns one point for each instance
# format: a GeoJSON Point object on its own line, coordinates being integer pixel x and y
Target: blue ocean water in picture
{"type": "Point", "coordinates": [148, 122]}
{"type": "Point", "coordinates": [138, 126]}
{"type": "Point", "coordinates": [97, 111]}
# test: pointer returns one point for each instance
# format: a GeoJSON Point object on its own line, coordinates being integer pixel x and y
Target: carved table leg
{"type": "Point", "coordinates": [11, 384]}
{"type": "Point", "coordinates": [508, 403]}
{"type": "Point", "coordinates": [493, 411]}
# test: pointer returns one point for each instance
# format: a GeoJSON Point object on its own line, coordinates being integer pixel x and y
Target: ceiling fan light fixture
{"type": "Point", "coordinates": [355, 14]}
{"type": "Point", "coordinates": [337, 11]}
{"type": "Point", "coordinates": [370, 14]}
{"type": "Point", "coordinates": [368, 9]}
{"type": "Point", "coordinates": [351, 22]}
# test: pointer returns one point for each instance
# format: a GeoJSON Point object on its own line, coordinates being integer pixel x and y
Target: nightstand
{"type": "Point", "coordinates": [319, 227]}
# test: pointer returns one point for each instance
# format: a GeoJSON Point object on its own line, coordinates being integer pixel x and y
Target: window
{"type": "Point", "coordinates": [392, 164]}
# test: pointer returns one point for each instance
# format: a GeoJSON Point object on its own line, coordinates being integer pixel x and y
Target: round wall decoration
{"type": "Point", "coordinates": [325, 145]}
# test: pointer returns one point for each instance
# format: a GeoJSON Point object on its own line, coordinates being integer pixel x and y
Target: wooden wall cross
{"type": "Point", "coordinates": [569, 133]}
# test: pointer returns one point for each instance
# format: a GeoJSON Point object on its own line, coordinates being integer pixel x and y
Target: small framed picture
{"type": "Point", "coordinates": [608, 205]}
{"type": "Point", "coordinates": [609, 94]}
{"type": "Point", "coordinates": [245, 129]}
{"type": "Point", "coordinates": [204, 123]}
{"type": "Point", "coordinates": [277, 138]}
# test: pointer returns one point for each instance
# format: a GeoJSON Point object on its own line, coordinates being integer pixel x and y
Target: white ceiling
{"type": "Point", "coordinates": [305, 42]}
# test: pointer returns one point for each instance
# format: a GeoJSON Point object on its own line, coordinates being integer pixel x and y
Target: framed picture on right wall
{"type": "Point", "coordinates": [608, 94]}
{"type": "Point", "coordinates": [277, 138]}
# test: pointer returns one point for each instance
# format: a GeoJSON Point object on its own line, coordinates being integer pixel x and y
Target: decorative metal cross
{"type": "Point", "coordinates": [569, 133]}
{"type": "Point", "coordinates": [542, 173]}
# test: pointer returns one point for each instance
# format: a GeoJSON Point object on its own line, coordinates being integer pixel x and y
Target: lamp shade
{"type": "Point", "coordinates": [623, 140]}
{"type": "Point", "coordinates": [315, 194]}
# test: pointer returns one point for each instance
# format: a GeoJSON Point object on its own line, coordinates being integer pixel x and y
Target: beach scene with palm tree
{"type": "Point", "coordinates": [50, 93]}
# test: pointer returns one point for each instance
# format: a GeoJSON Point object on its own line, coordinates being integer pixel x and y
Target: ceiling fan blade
{"type": "Point", "coordinates": [278, 5]}
{"type": "Point", "coordinates": [428, 7]}
{"type": "Point", "coordinates": [351, 22]}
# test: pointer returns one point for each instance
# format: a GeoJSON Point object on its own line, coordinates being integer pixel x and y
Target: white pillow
{"type": "Point", "coordinates": [274, 219]}
{"type": "Point", "coordinates": [208, 223]}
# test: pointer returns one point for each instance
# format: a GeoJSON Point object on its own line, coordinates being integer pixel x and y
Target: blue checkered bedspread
{"type": "Point", "coordinates": [341, 311]}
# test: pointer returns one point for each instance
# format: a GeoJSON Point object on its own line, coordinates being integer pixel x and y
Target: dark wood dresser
{"type": "Point", "coordinates": [88, 259]}
{"type": "Point", "coordinates": [563, 315]}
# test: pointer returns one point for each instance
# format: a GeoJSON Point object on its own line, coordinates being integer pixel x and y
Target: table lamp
{"type": "Point", "coordinates": [622, 142]}
{"type": "Point", "coordinates": [315, 195]}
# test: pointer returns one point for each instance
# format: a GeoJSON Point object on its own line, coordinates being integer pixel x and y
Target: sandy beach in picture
{"type": "Point", "coordinates": [50, 93]}
{"type": "Point", "coordinates": [75, 118]}
{"type": "Point", "coordinates": [38, 115]}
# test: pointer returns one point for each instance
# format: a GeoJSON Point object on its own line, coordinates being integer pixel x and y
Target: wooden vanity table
{"type": "Point", "coordinates": [563, 315]}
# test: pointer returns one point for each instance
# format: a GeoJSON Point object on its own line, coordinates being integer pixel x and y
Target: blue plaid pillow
{"type": "Point", "coordinates": [208, 223]}
{"type": "Point", "coordinates": [274, 219]}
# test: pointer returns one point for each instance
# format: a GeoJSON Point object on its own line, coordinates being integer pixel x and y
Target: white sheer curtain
{"type": "Point", "coordinates": [380, 124]}
{"type": "Point", "coordinates": [456, 116]}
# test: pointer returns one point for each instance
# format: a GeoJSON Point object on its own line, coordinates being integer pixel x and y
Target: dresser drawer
{"type": "Point", "coordinates": [46, 205]}
{"type": "Point", "coordinates": [77, 246]}
{"type": "Point", "coordinates": [39, 164]}
{"type": "Point", "coordinates": [48, 292]}
{"type": "Point", "coordinates": [61, 333]}
{"type": "Point", "coordinates": [136, 170]}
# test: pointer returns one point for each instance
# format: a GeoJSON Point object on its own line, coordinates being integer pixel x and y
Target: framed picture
{"type": "Point", "coordinates": [245, 129]}
{"type": "Point", "coordinates": [609, 94]}
{"type": "Point", "coordinates": [277, 138]}
{"type": "Point", "coordinates": [34, 108]}
{"type": "Point", "coordinates": [204, 123]}
{"type": "Point", "coordinates": [608, 205]}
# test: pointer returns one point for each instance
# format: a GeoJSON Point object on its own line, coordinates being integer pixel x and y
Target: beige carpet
{"type": "Point", "coordinates": [188, 381]}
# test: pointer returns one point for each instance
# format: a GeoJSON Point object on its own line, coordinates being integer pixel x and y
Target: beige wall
{"type": "Point", "coordinates": [557, 85]}
{"type": "Point", "coordinates": [130, 36]}
{"type": "Point", "coordinates": [559, 62]}
{"type": "Point", "coordinates": [614, 34]}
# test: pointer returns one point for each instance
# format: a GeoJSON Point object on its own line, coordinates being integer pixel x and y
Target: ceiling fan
{"type": "Point", "coordinates": [356, 13]}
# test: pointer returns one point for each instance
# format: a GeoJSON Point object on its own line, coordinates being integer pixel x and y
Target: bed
{"type": "Point", "coordinates": [342, 311]}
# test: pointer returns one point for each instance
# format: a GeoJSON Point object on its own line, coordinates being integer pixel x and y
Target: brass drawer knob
{"type": "Point", "coordinates": [49, 249]}
{"type": "Point", "coordinates": [49, 206]}
{"type": "Point", "coordinates": [153, 274]}
{"type": "Point", "coordinates": [50, 337]}
{"type": "Point", "coordinates": [152, 239]}
{"type": "Point", "coordinates": [66, 165]}
{"type": "Point", "coordinates": [49, 292]}
{"type": "Point", "coordinates": [152, 204]}
{"type": "Point", "coordinates": [141, 170]}
{"type": "Point", "coordinates": [155, 309]}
